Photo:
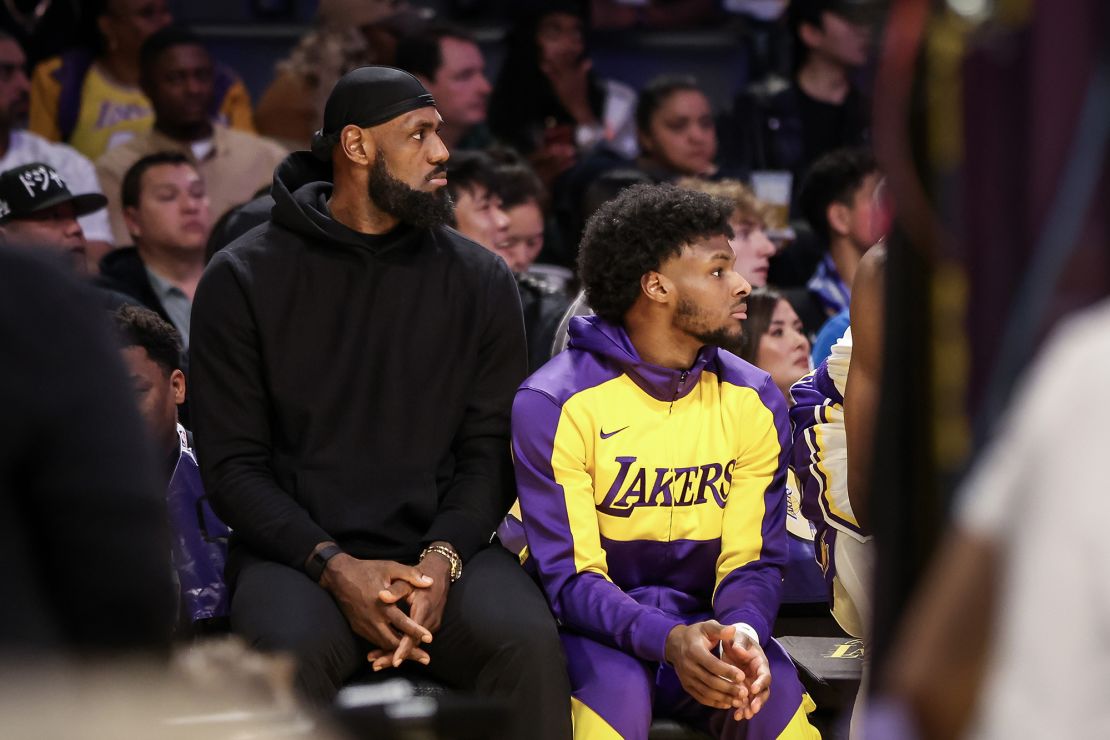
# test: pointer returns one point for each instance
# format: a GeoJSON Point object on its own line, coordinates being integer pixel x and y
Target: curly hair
{"type": "Point", "coordinates": [635, 233]}
{"type": "Point", "coordinates": [140, 327]}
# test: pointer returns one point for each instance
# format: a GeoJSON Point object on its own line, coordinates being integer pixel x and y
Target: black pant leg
{"type": "Point", "coordinates": [499, 639]}
{"type": "Point", "coordinates": [277, 608]}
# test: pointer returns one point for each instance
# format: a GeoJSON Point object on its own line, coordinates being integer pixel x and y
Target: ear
{"type": "Point", "coordinates": [177, 382]}
{"type": "Point", "coordinates": [810, 34]}
{"type": "Point", "coordinates": [840, 219]}
{"type": "Point", "coordinates": [131, 221]}
{"type": "Point", "coordinates": [356, 144]}
{"type": "Point", "coordinates": [657, 287]}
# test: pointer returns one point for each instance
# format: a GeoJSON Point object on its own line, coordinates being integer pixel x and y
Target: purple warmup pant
{"type": "Point", "coordinates": [616, 695]}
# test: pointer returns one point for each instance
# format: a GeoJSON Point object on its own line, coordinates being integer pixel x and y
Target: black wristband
{"type": "Point", "coordinates": [319, 560]}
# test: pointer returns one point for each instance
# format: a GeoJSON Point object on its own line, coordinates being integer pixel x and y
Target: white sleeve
{"type": "Point", "coordinates": [1028, 435]}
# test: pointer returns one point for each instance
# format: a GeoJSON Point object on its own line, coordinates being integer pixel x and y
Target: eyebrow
{"type": "Point", "coordinates": [722, 255]}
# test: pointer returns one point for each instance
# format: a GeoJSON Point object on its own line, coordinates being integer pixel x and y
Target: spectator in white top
{"type": "Point", "coordinates": [19, 147]}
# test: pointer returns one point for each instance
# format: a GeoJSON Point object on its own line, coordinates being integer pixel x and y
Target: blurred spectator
{"type": "Point", "coordinates": [664, 15]}
{"type": "Point", "coordinates": [178, 77]}
{"type": "Point", "coordinates": [165, 206]}
{"type": "Point", "coordinates": [19, 147]}
{"type": "Point", "coordinates": [1027, 549]}
{"type": "Point", "coordinates": [450, 64]}
{"type": "Point", "coordinates": [785, 125]}
{"type": "Point", "coordinates": [152, 352]}
{"type": "Point", "coordinates": [548, 103]}
{"type": "Point", "coordinates": [37, 209]}
{"type": "Point", "coordinates": [524, 201]}
{"type": "Point", "coordinates": [472, 183]}
{"type": "Point", "coordinates": [83, 530]}
{"type": "Point", "coordinates": [749, 241]}
{"type": "Point", "coordinates": [675, 128]}
{"type": "Point", "coordinates": [346, 34]}
{"type": "Point", "coordinates": [838, 200]}
{"type": "Point", "coordinates": [91, 97]}
{"type": "Point", "coordinates": [477, 187]}
{"type": "Point", "coordinates": [545, 290]}
{"type": "Point", "coordinates": [773, 339]}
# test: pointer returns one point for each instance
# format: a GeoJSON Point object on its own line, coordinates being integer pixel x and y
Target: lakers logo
{"type": "Point", "coordinates": [688, 486]}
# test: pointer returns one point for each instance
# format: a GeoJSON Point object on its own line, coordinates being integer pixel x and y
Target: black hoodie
{"type": "Point", "coordinates": [354, 387]}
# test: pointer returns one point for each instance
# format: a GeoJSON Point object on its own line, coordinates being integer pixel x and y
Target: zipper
{"type": "Point", "coordinates": [678, 391]}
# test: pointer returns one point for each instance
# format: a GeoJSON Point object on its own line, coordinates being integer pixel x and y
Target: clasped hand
{"type": "Point", "coordinates": [739, 679]}
{"type": "Point", "coordinates": [396, 607]}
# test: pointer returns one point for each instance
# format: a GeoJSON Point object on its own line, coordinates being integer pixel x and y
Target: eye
{"type": "Point", "coordinates": [776, 332]}
{"type": "Point", "coordinates": [419, 135]}
{"type": "Point", "coordinates": [717, 272]}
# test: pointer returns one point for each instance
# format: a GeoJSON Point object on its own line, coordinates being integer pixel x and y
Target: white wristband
{"type": "Point", "coordinates": [747, 629]}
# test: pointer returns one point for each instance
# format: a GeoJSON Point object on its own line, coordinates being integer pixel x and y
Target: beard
{"type": "Point", "coordinates": [408, 205]}
{"type": "Point", "coordinates": [697, 323]}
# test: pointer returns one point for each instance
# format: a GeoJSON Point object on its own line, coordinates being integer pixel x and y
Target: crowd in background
{"type": "Point", "coordinates": [138, 155]}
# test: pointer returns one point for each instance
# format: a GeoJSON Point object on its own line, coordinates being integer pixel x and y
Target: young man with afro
{"type": "Point", "coordinates": [651, 466]}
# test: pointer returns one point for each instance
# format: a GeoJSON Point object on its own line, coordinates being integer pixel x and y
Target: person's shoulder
{"type": "Point", "coordinates": [566, 375]}
{"type": "Point", "coordinates": [239, 141]}
{"type": "Point", "coordinates": [735, 371]}
{"type": "Point", "coordinates": [123, 155]}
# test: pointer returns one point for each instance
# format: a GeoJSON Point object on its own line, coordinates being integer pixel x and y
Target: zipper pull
{"type": "Point", "coordinates": [681, 382]}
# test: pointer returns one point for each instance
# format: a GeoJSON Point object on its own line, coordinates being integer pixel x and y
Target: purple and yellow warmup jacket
{"type": "Point", "coordinates": [649, 495]}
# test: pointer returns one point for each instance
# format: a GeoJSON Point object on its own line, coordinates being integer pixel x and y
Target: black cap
{"type": "Point", "coordinates": [365, 97]}
{"type": "Point", "coordinates": [35, 187]}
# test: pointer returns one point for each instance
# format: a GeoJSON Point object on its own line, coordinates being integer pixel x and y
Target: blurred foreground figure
{"type": "Point", "coordinates": [1028, 547]}
{"type": "Point", "coordinates": [82, 522]}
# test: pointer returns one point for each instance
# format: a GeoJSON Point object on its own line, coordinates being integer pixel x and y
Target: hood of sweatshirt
{"type": "Point", "coordinates": [610, 342]}
{"type": "Point", "coordinates": [301, 189]}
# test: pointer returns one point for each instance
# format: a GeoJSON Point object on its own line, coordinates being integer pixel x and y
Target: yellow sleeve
{"type": "Point", "coordinates": [45, 92]}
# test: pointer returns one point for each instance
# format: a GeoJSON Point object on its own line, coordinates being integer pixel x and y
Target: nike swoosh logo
{"type": "Point", "coordinates": [607, 435]}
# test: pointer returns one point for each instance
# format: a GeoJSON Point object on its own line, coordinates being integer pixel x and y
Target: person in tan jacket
{"type": "Point", "coordinates": [177, 77]}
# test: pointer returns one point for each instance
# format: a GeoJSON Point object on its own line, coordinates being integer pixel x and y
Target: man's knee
{"type": "Point", "coordinates": [277, 609]}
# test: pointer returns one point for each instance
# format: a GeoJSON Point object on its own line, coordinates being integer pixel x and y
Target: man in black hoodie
{"type": "Point", "coordinates": [353, 366]}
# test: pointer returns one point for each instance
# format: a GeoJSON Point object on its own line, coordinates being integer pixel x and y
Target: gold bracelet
{"type": "Point", "coordinates": [452, 558]}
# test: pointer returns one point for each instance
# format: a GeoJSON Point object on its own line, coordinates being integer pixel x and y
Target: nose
{"type": "Point", "coordinates": [743, 287]}
{"type": "Point", "coordinates": [764, 246]}
{"type": "Point", "coordinates": [484, 86]}
{"type": "Point", "coordinates": [22, 84]}
{"type": "Point", "coordinates": [500, 219]}
{"type": "Point", "coordinates": [193, 203]}
{"type": "Point", "coordinates": [438, 153]}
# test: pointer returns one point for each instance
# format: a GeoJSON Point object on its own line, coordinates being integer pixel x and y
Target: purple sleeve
{"type": "Point", "coordinates": [560, 522]}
